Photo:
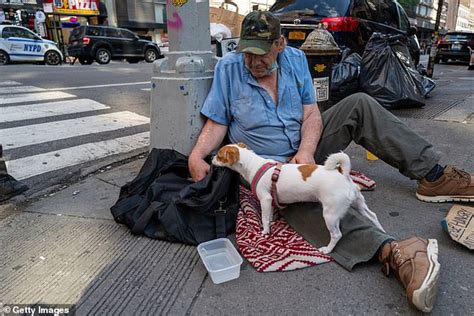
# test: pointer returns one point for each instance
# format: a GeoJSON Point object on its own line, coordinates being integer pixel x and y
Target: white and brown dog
{"type": "Point", "coordinates": [329, 184]}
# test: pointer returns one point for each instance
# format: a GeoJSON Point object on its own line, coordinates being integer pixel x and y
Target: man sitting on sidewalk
{"type": "Point", "coordinates": [263, 96]}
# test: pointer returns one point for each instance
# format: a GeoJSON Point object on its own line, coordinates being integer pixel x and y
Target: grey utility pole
{"type": "Point", "coordinates": [182, 79]}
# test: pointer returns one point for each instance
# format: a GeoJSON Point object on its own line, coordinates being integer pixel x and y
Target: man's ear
{"type": "Point", "coordinates": [281, 43]}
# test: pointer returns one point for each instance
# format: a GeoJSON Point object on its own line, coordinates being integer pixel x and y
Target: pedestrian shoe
{"type": "Point", "coordinates": [9, 187]}
{"type": "Point", "coordinates": [415, 263]}
{"type": "Point", "coordinates": [454, 185]}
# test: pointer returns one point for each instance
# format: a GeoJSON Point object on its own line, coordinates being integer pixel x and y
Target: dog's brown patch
{"type": "Point", "coordinates": [339, 168]}
{"type": "Point", "coordinates": [307, 170]}
{"type": "Point", "coordinates": [228, 155]}
{"type": "Point", "coordinates": [242, 145]}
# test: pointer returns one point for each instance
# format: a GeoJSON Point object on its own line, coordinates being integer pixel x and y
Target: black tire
{"type": "Point", "coordinates": [85, 61]}
{"type": "Point", "coordinates": [103, 56]}
{"type": "Point", "coordinates": [52, 58]}
{"type": "Point", "coordinates": [151, 55]}
{"type": "Point", "coordinates": [445, 60]}
{"type": "Point", "coordinates": [436, 60]}
{"type": "Point", "coordinates": [133, 60]}
{"type": "Point", "coordinates": [4, 58]}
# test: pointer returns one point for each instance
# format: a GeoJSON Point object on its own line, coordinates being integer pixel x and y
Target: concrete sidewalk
{"type": "Point", "coordinates": [65, 248]}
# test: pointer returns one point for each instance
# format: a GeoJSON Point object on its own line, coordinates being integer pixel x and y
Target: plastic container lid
{"type": "Point", "coordinates": [221, 259]}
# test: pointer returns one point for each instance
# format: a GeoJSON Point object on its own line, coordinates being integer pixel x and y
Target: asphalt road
{"type": "Point", "coordinates": [50, 113]}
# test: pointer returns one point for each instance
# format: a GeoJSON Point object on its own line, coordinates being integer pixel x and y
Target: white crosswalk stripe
{"type": "Point", "coordinates": [19, 89]}
{"type": "Point", "coordinates": [21, 103]}
{"type": "Point", "coordinates": [40, 110]}
{"type": "Point", "coordinates": [9, 83]}
{"type": "Point", "coordinates": [41, 133]}
{"type": "Point", "coordinates": [33, 97]}
{"type": "Point", "coordinates": [38, 164]}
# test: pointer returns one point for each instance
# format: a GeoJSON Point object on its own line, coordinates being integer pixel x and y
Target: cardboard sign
{"type": "Point", "coordinates": [459, 223]}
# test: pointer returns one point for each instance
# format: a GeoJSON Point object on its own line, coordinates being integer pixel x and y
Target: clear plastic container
{"type": "Point", "coordinates": [221, 259]}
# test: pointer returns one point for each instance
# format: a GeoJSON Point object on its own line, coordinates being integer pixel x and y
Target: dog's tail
{"type": "Point", "coordinates": [339, 161]}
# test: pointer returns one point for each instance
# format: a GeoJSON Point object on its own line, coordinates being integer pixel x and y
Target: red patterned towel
{"type": "Point", "coordinates": [282, 250]}
{"type": "Point", "coordinates": [364, 182]}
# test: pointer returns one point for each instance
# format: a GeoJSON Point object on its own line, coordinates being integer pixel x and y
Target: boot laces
{"type": "Point", "coordinates": [395, 257]}
{"type": "Point", "coordinates": [460, 174]}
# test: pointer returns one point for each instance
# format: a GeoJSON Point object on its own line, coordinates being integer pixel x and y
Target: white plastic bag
{"type": "Point", "coordinates": [219, 31]}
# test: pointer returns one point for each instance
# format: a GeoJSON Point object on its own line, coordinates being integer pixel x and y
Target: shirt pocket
{"type": "Point", "coordinates": [296, 104]}
{"type": "Point", "coordinates": [248, 113]}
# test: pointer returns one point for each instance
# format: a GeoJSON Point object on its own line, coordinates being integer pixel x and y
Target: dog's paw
{"type": "Point", "coordinates": [266, 232]}
{"type": "Point", "coordinates": [324, 250]}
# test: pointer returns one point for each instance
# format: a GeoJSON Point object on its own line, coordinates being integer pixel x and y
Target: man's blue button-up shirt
{"type": "Point", "coordinates": [239, 102]}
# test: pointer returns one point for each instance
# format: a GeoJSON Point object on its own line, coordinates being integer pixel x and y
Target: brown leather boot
{"type": "Point", "coordinates": [454, 185]}
{"type": "Point", "coordinates": [415, 263]}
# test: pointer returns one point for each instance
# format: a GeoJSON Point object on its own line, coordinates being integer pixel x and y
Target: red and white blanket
{"type": "Point", "coordinates": [282, 250]}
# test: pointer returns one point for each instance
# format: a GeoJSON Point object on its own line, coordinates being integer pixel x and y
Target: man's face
{"type": "Point", "coordinates": [259, 65]}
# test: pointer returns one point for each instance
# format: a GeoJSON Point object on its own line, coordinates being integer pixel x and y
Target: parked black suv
{"type": "Point", "coordinates": [103, 43]}
{"type": "Point", "coordinates": [351, 22]}
{"type": "Point", "coordinates": [455, 46]}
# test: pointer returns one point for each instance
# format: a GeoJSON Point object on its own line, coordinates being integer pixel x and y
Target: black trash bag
{"type": "Point", "coordinates": [424, 84]}
{"type": "Point", "coordinates": [163, 202]}
{"type": "Point", "coordinates": [422, 70]}
{"type": "Point", "coordinates": [389, 75]}
{"type": "Point", "coordinates": [345, 76]}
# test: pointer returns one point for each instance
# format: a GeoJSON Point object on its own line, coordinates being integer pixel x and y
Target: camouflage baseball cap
{"type": "Point", "coordinates": [259, 30]}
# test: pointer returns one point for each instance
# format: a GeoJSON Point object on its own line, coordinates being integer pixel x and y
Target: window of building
{"type": "Point", "coordinates": [160, 13]}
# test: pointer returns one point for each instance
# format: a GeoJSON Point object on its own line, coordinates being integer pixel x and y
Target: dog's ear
{"type": "Point", "coordinates": [242, 145]}
{"type": "Point", "coordinates": [228, 155]}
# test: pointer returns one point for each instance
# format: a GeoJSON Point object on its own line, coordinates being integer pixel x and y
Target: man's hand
{"type": "Point", "coordinates": [211, 136]}
{"type": "Point", "coordinates": [303, 157]}
{"type": "Point", "coordinates": [198, 168]}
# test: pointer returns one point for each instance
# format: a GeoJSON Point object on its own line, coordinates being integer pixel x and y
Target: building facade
{"type": "Point", "coordinates": [246, 6]}
{"type": "Point", "coordinates": [463, 22]}
{"type": "Point", "coordinates": [147, 18]}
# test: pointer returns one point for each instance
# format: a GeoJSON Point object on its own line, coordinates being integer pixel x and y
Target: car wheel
{"type": "Point", "coordinates": [436, 60]}
{"type": "Point", "coordinates": [150, 55]}
{"type": "Point", "coordinates": [103, 56]}
{"type": "Point", "coordinates": [445, 60]}
{"type": "Point", "coordinates": [86, 61]}
{"type": "Point", "coordinates": [4, 58]}
{"type": "Point", "coordinates": [52, 58]}
{"type": "Point", "coordinates": [133, 60]}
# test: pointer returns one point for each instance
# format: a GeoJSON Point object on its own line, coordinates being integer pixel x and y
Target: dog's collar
{"type": "Point", "coordinates": [275, 176]}
{"type": "Point", "coordinates": [260, 173]}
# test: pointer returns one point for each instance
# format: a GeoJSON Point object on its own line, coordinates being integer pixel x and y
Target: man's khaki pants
{"type": "Point", "coordinates": [361, 119]}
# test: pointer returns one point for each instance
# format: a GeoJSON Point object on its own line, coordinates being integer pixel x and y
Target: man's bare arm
{"type": "Point", "coordinates": [311, 131]}
{"type": "Point", "coordinates": [212, 135]}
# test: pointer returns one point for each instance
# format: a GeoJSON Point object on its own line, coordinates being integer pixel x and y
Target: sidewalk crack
{"type": "Point", "coordinates": [198, 293]}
